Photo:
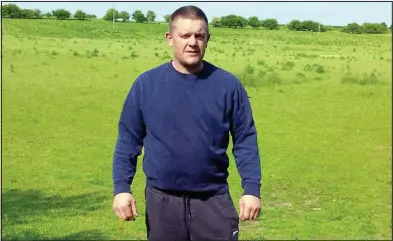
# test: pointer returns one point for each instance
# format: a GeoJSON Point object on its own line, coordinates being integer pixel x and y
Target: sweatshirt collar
{"type": "Point", "coordinates": [194, 76]}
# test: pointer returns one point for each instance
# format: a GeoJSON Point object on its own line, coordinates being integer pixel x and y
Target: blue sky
{"type": "Point", "coordinates": [328, 13]}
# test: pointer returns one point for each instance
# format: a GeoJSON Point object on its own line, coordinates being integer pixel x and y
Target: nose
{"type": "Point", "coordinates": [192, 41]}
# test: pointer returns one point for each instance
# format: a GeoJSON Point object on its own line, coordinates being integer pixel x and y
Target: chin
{"type": "Point", "coordinates": [192, 63]}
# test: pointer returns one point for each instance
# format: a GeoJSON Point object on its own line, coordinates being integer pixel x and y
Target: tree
{"type": "Point", "coordinates": [374, 28]}
{"type": "Point", "coordinates": [323, 28]}
{"type": "Point", "coordinates": [150, 16]}
{"type": "Point", "coordinates": [61, 14]}
{"type": "Point", "coordinates": [233, 21]}
{"type": "Point", "coordinates": [47, 15]}
{"type": "Point", "coordinates": [110, 14]}
{"type": "Point", "coordinates": [37, 13]}
{"type": "Point", "coordinates": [27, 13]}
{"type": "Point", "coordinates": [295, 25]}
{"type": "Point", "coordinates": [138, 16]}
{"type": "Point", "coordinates": [79, 14]}
{"type": "Point", "coordinates": [310, 26]}
{"type": "Point", "coordinates": [216, 22]}
{"type": "Point", "coordinates": [384, 24]}
{"type": "Point", "coordinates": [242, 22]}
{"type": "Point", "coordinates": [11, 11]}
{"type": "Point", "coordinates": [91, 16]}
{"type": "Point", "coordinates": [167, 17]}
{"type": "Point", "coordinates": [353, 28]}
{"type": "Point", "coordinates": [124, 15]}
{"type": "Point", "coordinates": [270, 23]}
{"type": "Point", "coordinates": [228, 21]}
{"type": "Point", "coordinates": [254, 22]}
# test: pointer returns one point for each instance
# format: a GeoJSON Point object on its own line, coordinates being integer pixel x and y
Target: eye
{"type": "Point", "coordinates": [200, 36]}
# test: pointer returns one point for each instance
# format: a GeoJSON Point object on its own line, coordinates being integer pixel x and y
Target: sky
{"type": "Point", "coordinates": [327, 13]}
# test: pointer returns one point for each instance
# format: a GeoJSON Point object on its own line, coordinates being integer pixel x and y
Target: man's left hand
{"type": "Point", "coordinates": [250, 207]}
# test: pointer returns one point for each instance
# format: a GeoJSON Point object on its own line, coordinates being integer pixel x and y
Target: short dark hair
{"type": "Point", "coordinates": [191, 12]}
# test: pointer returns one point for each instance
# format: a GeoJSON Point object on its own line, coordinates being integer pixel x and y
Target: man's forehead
{"type": "Point", "coordinates": [190, 25]}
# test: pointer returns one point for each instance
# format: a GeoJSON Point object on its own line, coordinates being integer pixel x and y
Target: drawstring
{"type": "Point", "coordinates": [187, 213]}
{"type": "Point", "coordinates": [187, 208]}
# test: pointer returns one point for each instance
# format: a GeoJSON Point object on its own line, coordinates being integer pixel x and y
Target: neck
{"type": "Point", "coordinates": [185, 69]}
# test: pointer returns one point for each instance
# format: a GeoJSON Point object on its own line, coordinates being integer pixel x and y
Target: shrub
{"type": "Point", "coordinates": [94, 53]}
{"type": "Point", "coordinates": [288, 65]}
{"type": "Point", "coordinates": [307, 67]}
{"type": "Point", "coordinates": [249, 69]}
{"type": "Point", "coordinates": [320, 69]}
{"type": "Point", "coordinates": [366, 79]}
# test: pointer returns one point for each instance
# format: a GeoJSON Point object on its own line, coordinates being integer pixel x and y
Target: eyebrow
{"type": "Point", "coordinates": [188, 33]}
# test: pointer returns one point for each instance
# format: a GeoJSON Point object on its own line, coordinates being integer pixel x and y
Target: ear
{"type": "Point", "coordinates": [208, 38]}
{"type": "Point", "coordinates": [168, 37]}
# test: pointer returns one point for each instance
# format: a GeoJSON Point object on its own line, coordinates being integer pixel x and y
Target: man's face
{"type": "Point", "coordinates": [189, 40]}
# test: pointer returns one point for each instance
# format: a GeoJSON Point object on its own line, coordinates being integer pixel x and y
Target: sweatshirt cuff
{"type": "Point", "coordinates": [121, 187]}
{"type": "Point", "coordinates": [252, 189]}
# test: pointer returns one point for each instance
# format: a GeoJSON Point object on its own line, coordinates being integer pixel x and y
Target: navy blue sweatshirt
{"type": "Point", "coordinates": [183, 121]}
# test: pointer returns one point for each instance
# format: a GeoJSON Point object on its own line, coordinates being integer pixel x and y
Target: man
{"type": "Point", "coordinates": [182, 113]}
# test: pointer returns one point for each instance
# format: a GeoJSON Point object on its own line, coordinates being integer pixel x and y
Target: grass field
{"type": "Point", "coordinates": [322, 103]}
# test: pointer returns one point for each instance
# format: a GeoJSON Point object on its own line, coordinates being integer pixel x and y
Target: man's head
{"type": "Point", "coordinates": [188, 35]}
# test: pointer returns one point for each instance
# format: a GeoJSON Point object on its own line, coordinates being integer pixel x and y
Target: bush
{"type": "Point", "coordinates": [94, 53]}
{"type": "Point", "coordinates": [296, 25]}
{"type": "Point", "coordinates": [366, 79]}
{"type": "Point", "coordinates": [320, 69]}
{"type": "Point", "coordinates": [288, 65]}
{"type": "Point", "coordinates": [270, 24]}
{"type": "Point", "coordinates": [61, 14]}
{"type": "Point", "coordinates": [254, 22]}
{"type": "Point", "coordinates": [353, 28]}
{"type": "Point", "coordinates": [374, 28]}
{"type": "Point", "coordinates": [368, 28]}
{"type": "Point", "coordinates": [307, 67]}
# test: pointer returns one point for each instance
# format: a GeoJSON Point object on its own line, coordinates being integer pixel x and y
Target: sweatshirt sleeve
{"type": "Point", "coordinates": [131, 132]}
{"type": "Point", "coordinates": [245, 145]}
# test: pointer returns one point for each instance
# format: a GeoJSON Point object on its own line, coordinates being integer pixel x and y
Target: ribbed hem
{"type": "Point", "coordinates": [252, 189]}
{"type": "Point", "coordinates": [121, 187]}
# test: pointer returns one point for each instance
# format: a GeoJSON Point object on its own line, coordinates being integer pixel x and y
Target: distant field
{"type": "Point", "coordinates": [322, 103]}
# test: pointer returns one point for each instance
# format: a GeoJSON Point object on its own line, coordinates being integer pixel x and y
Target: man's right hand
{"type": "Point", "coordinates": [124, 206]}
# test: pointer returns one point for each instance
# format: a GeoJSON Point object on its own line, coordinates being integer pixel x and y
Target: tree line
{"type": "Point", "coordinates": [229, 21]}
{"type": "Point", "coordinates": [367, 28]}
{"type": "Point", "coordinates": [124, 16]}
{"type": "Point", "coordinates": [14, 11]}
{"type": "Point", "coordinates": [234, 21]}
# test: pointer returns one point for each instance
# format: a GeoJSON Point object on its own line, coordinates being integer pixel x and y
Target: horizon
{"type": "Point", "coordinates": [326, 13]}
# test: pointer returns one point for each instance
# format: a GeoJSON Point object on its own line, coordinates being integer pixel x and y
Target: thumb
{"type": "Point", "coordinates": [133, 207]}
{"type": "Point", "coordinates": [241, 208]}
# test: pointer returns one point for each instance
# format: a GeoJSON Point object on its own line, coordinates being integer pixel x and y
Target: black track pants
{"type": "Point", "coordinates": [175, 217]}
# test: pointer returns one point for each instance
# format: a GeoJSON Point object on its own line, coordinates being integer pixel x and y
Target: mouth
{"type": "Point", "coordinates": [192, 53]}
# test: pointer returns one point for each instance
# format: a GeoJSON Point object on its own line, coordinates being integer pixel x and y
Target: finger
{"type": "Point", "coordinates": [117, 212]}
{"type": "Point", "coordinates": [257, 213]}
{"type": "Point", "coordinates": [246, 214]}
{"type": "Point", "coordinates": [121, 214]}
{"type": "Point", "coordinates": [133, 208]}
{"type": "Point", "coordinates": [128, 213]}
{"type": "Point", "coordinates": [253, 212]}
{"type": "Point", "coordinates": [241, 209]}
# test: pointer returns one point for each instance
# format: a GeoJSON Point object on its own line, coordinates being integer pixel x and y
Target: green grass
{"type": "Point", "coordinates": [322, 110]}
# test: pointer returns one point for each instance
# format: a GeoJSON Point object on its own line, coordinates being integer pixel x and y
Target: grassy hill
{"type": "Point", "coordinates": [321, 101]}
